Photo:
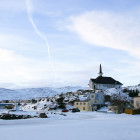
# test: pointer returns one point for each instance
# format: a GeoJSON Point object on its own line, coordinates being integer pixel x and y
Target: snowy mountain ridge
{"type": "Point", "coordinates": [30, 93]}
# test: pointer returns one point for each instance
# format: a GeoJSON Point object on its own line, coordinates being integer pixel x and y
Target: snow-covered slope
{"type": "Point", "coordinates": [29, 93]}
{"type": "Point", "coordinates": [117, 93]}
{"type": "Point", "coordinates": [136, 87]}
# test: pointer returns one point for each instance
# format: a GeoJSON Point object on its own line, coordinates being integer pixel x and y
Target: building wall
{"type": "Point", "coordinates": [113, 109]}
{"type": "Point", "coordinates": [83, 106]}
{"type": "Point", "coordinates": [116, 109]}
{"type": "Point", "coordinates": [96, 98]}
{"type": "Point", "coordinates": [107, 86]}
{"type": "Point", "coordinates": [137, 102]}
{"type": "Point", "coordinates": [93, 86]}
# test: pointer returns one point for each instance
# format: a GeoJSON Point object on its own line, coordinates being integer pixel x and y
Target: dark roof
{"type": "Point", "coordinates": [4, 104]}
{"type": "Point", "coordinates": [86, 100]}
{"type": "Point", "coordinates": [105, 80]}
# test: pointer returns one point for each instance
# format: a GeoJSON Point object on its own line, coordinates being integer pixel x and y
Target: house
{"type": "Point", "coordinates": [102, 82]}
{"type": "Point", "coordinates": [7, 105]}
{"type": "Point", "coordinates": [137, 101]}
{"type": "Point", "coordinates": [91, 103]}
{"type": "Point", "coordinates": [97, 99]}
{"type": "Point", "coordinates": [83, 105]}
{"type": "Point", "coordinates": [135, 109]}
{"type": "Point", "coordinates": [118, 109]}
{"type": "Point", "coordinates": [119, 106]}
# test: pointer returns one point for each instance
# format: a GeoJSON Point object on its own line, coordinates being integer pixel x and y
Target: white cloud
{"type": "Point", "coordinates": [17, 69]}
{"type": "Point", "coordinates": [13, 5]}
{"type": "Point", "coordinates": [12, 68]}
{"type": "Point", "coordinates": [106, 29]}
{"type": "Point", "coordinates": [20, 71]}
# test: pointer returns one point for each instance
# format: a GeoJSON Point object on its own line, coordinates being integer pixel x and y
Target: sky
{"type": "Point", "coordinates": [62, 43]}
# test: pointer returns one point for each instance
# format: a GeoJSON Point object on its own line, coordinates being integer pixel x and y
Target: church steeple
{"type": "Point", "coordinates": [100, 71]}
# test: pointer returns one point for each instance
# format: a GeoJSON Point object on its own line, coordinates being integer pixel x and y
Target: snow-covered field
{"type": "Point", "coordinates": [74, 126]}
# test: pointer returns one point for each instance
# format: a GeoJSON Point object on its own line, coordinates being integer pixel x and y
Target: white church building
{"type": "Point", "coordinates": [102, 82]}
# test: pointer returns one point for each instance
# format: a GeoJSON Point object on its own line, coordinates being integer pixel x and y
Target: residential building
{"type": "Point", "coordinates": [119, 106]}
{"type": "Point", "coordinates": [7, 105]}
{"type": "Point", "coordinates": [137, 102]}
{"type": "Point", "coordinates": [118, 109]}
{"type": "Point", "coordinates": [91, 103]}
{"type": "Point", "coordinates": [83, 105]}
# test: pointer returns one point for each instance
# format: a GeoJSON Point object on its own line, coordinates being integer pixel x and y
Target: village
{"type": "Point", "coordinates": [105, 95]}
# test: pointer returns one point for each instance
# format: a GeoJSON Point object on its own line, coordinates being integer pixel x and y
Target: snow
{"type": "Point", "coordinates": [30, 93]}
{"type": "Point", "coordinates": [113, 92]}
{"type": "Point", "coordinates": [103, 109]}
{"type": "Point", "coordinates": [82, 97]}
{"type": "Point", "coordinates": [74, 126]}
{"type": "Point", "coordinates": [136, 87]}
{"type": "Point", "coordinates": [100, 125]}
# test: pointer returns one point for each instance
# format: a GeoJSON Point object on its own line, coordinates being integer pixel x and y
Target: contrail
{"type": "Point", "coordinates": [38, 32]}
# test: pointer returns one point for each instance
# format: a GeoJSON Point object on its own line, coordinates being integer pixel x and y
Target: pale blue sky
{"type": "Point", "coordinates": [81, 35]}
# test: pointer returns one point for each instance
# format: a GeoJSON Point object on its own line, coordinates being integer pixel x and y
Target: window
{"type": "Point", "coordinates": [76, 103]}
{"type": "Point", "coordinates": [83, 108]}
{"type": "Point", "coordinates": [138, 103]}
{"type": "Point", "coordinates": [84, 103]}
{"type": "Point", "coordinates": [92, 96]}
{"type": "Point", "coordinates": [80, 103]}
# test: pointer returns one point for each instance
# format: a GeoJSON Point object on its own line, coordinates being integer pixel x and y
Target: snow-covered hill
{"type": "Point", "coordinates": [30, 93]}
{"type": "Point", "coordinates": [117, 94]}
{"type": "Point", "coordinates": [136, 87]}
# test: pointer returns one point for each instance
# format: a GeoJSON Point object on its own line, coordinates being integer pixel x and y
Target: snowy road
{"type": "Point", "coordinates": [75, 126]}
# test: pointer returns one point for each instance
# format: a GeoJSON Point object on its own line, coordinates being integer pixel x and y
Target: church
{"type": "Point", "coordinates": [102, 82]}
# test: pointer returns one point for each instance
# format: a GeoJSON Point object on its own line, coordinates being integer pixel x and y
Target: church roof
{"type": "Point", "coordinates": [105, 80]}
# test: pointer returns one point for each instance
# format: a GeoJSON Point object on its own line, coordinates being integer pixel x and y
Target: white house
{"type": "Point", "coordinates": [102, 82]}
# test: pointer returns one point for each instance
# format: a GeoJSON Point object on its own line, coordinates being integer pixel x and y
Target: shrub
{"type": "Point", "coordinates": [14, 116]}
{"type": "Point", "coordinates": [34, 101]}
{"type": "Point", "coordinates": [136, 111]}
{"type": "Point", "coordinates": [43, 115]}
{"type": "Point", "coordinates": [61, 103]}
{"type": "Point", "coordinates": [133, 93]}
{"type": "Point", "coordinates": [107, 98]}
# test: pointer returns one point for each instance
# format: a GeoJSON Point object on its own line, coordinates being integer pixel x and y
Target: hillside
{"type": "Point", "coordinates": [136, 87]}
{"type": "Point", "coordinates": [30, 93]}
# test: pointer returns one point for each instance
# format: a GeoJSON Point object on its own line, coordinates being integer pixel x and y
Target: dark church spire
{"type": "Point", "coordinates": [100, 71]}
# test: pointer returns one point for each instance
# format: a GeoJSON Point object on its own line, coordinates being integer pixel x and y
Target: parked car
{"type": "Point", "coordinates": [75, 110]}
{"type": "Point", "coordinates": [64, 110]}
